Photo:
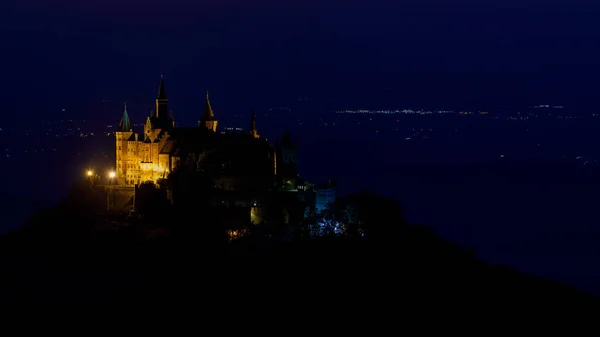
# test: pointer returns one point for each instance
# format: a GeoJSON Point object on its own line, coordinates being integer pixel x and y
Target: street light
{"type": "Point", "coordinates": [90, 173]}
{"type": "Point", "coordinates": [112, 174]}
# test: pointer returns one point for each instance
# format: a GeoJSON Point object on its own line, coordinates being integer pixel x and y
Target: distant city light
{"type": "Point", "coordinates": [405, 111]}
{"type": "Point", "coordinates": [90, 173]}
{"type": "Point", "coordinates": [112, 174]}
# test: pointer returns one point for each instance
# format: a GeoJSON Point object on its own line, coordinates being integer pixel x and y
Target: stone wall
{"type": "Point", "coordinates": [119, 199]}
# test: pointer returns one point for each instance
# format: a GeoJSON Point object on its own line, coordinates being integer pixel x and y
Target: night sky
{"type": "Point", "coordinates": [88, 57]}
{"type": "Point", "coordinates": [438, 53]}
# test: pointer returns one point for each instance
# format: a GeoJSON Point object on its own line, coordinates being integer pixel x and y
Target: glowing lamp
{"type": "Point", "coordinates": [90, 173]}
{"type": "Point", "coordinates": [112, 174]}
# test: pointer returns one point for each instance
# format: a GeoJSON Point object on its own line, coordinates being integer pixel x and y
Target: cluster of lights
{"type": "Point", "coordinates": [111, 174]}
{"type": "Point", "coordinates": [151, 167]}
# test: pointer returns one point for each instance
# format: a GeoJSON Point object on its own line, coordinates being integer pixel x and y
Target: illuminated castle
{"type": "Point", "coordinates": [235, 155]}
{"type": "Point", "coordinates": [248, 174]}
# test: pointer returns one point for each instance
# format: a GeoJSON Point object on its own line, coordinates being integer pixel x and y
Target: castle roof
{"type": "Point", "coordinates": [162, 94]}
{"type": "Point", "coordinates": [253, 122]}
{"type": "Point", "coordinates": [125, 124]}
{"type": "Point", "coordinates": [168, 148]}
{"type": "Point", "coordinates": [194, 139]}
{"type": "Point", "coordinates": [208, 114]}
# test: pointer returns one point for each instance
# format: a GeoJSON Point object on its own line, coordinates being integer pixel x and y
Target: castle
{"type": "Point", "coordinates": [245, 169]}
{"type": "Point", "coordinates": [237, 154]}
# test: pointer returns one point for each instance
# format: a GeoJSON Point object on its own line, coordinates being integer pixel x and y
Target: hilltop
{"type": "Point", "coordinates": [79, 258]}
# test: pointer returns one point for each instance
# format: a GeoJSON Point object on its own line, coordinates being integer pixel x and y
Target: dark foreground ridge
{"type": "Point", "coordinates": [394, 271]}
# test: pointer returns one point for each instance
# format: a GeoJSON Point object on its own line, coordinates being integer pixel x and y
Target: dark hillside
{"type": "Point", "coordinates": [393, 271]}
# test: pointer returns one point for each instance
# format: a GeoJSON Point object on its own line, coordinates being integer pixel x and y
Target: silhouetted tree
{"type": "Point", "coordinates": [151, 201]}
{"type": "Point", "coordinates": [361, 214]}
{"type": "Point", "coordinates": [193, 192]}
{"type": "Point", "coordinates": [373, 215]}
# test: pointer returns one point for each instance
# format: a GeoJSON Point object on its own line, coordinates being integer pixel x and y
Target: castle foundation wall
{"type": "Point", "coordinates": [119, 199]}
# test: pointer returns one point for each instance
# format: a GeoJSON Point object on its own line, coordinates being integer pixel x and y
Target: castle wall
{"type": "Point", "coordinates": [132, 176]}
{"type": "Point", "coordinates": [119, 199]}
{"type": "Point", "coordinates": [163, 164]}
{"type": "Point", "coordinates": [122, 153]}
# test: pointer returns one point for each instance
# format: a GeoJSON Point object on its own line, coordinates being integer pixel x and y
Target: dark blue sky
{"type": "Point", "coordinates": [431, 52]}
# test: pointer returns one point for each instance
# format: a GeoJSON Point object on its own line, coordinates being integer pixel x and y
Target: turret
{"type": "Point", "coordinates": [286, 162]}
{"type": "Point", "coordinates": [125, 124]}
{"type": "Point", "coordinates": [161, 118]}
{"type": "Point", "coordinates": [252, 131]}
{"type": "Point", "coordinates": [208, 119]}
{"type": "Point", "coordinates": [123, 134]}
{"type": "Point", "coordinates": [288, 149]}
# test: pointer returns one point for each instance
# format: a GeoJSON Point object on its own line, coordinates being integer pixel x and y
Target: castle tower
{"type": "Point", "coordinates": [125, 124]}
{"type": "Point", "coordinates": [161, 118]}
{"type": "Point", "coordinates": [123, 134]}
{"type": "Point", "coordinates": [252, 131]}
{"type": "Point", "coordinates": [208, 117]}
{"type": "Point", "coordinates": [289, 151]}
{"type": "Point", "coordinates": [287, 162]}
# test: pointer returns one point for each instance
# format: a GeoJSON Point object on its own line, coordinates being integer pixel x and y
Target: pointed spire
{"type": "Point", "coordinates": [125, 124]}
{"type": "Point", "coordinates": [208, 114]}
{"type": "Point", "coordinates": [162, 94]}
{"type": "Point", "coordinates": [253, 120]}
{"type": "Point", "coordinates": [253, 132]}
{"type": "Point", "coordinates": [161, 114]}
{"type": "Point", "coordinates": [208, 119]}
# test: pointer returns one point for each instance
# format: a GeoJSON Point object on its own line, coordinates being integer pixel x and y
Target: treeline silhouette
{"type": "Point", "coordinates": [378, 271]}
